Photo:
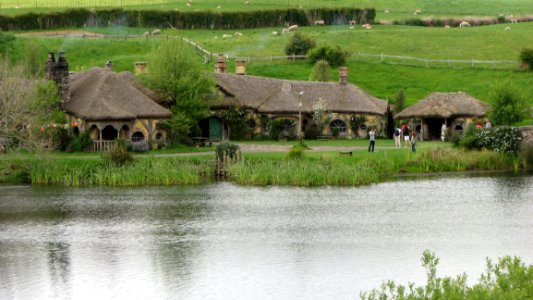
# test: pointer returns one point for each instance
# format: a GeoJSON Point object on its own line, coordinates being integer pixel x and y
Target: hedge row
{"type": "Point", "coordinates": [185, 20]}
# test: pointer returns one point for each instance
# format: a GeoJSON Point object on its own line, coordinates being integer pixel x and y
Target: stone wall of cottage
{"type": "Point", "coordinates": [527, 136]}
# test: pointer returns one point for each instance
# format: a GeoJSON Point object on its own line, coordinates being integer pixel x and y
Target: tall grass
{"type": "Point", "coordinates": [364, 168]}
{"type": "Point", "coordinates": [142, 172]}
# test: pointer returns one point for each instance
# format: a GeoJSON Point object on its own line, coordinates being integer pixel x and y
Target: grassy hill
{"type": "Point", "coordinates": [397, 8]}
{"type": "Point", "coordinates": [381, 80]}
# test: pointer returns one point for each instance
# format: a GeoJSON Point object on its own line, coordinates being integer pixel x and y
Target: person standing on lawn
{"type": "Point", "coordinates": [372, 136]}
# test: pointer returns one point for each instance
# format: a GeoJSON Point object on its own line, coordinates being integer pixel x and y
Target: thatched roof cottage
{"type": "Point", "coordinates": [107, 104]}
{"type": "Point", "coordinates": [455, 110]}
{"type": "Point", "coordinates": [281, 98]}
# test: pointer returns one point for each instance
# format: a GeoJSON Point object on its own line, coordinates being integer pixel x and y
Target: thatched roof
{"type": "Point", "coordinates": [445, 105]}
{"type": "Point", "coordinates": [269, 95]}
{"type": "Point", "coordinates": [100, 94]}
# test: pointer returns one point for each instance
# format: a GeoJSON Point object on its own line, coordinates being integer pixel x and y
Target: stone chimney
{"type": "Point", "coordinates": [109, 66]}
{"type": "Point", "coordinates": [240, 68]}
{"type": "Point", "coordinates": [140, 67]}
{"type": "Point", "coordinates": [50, 68]}
{"type": "Point", "coordinates": [343, 75]}
{"type": "Point", "coordinates": [220, 66]}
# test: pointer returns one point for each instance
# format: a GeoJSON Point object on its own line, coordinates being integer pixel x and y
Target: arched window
{"type": "Point", "coordinates": [109, 133]}
{"type": "Point", "coordinates": [137, 136]}
{"type": "Point", "coordinates": [339, 124]}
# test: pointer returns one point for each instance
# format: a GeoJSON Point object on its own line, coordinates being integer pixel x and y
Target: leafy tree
{"type": "Point", "coordinates": [400, 101]}
{"type": "Point", "coordinates": [508, 105]}
{"type": "Point", "coordinates": [299, 44]}
{"type": "Point", "coordinates": [526, 56]}
{"type": "Point", "coordinates": [321, 71]}
{"type": "Point", "coordinates": [334, 56]}
{"type": "Point", "coordinates": [26, 106]}
{"type": "Point", "coordinates": [177, 75]}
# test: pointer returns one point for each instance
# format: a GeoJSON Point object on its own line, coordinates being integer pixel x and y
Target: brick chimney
{"type": "Point", "coordinates": [343, 75]}
{"type": "Point", "coordinates": [58, 72]}
{"type": "Point", "coordinates": [220, 66]}
{"type": "Point", "coordinates": [140, 67]}
{"type": "Point", "coordinates": [240, 68]}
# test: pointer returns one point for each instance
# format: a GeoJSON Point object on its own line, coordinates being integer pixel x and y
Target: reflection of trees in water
{"type": "Point", "coordinates": [59, 268]}
{"type": "Point", "coordinates": [515, 189]}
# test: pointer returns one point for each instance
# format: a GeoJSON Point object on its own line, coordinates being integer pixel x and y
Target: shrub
{"type": "Point", "coordinates": [334, 56]}
{"type": "Point", "coordinates": [228, 150]}
{"type": "Point", "coordinates": [508, 105]}
{"type": "Point", "coordinates": [299, 44]}
{"type": "Point", "coordinates": [80, 142]}
{"type": "Point", "coordinates": [321, 71]}
{"type": "Point", "coordinates": [282, 129]}
{"type": "Point", "coordinates": [501, 139]}
{"type": "Point", "coordinates": [296, 153]}
{"type": "Point", "coordinates": [508, 278]}
{"type": "Point", "coordinates": [526, 56]}
{"type": "Point", "coordinates": [118, 155]}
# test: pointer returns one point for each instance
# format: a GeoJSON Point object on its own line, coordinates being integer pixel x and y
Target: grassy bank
{"type": "Point", "coordinates": [315, 169]}
{"type": "Point", "coordinates": [88, 171]}
{"type": "Point", "coordinates": [318, 169]}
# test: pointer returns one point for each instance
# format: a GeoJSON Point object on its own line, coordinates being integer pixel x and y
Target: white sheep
{"type": "Point", "coordinates": [219, 6]}
{"type": "Point", "coordinates": [292, 28]}
{"type": "Point", "coordinates": [146, 33]}
{"type": "Point", "coordinates": [351, 27]}
{"type": "Point", "coordinates": [464, 24]}
{"type": "Point", "coordinates": [156, 32]}
{"type": "Point", "coordinates": [285, 31]}
{"type": "Point", "coordinates": [447, 26]}
{"type": "Point", "coordinates": [351, 22]}
{"type": "Point", "coordinates": [237, 34]}
{"type": "Point", "coordinates": [226, 36]}
{"type": "Point", "coordinates": [275, 33]}
{"type": "Point", "coordinates": [367, 26]}
{"type": "Point", "coordinates": [189, 4]}
{"type": "Point", "coordinates": [247, 2]}
{"type": "Point", "coordinates": [418, 11]}
{"type": "Point", "coordinates": [507, 28]}
{"type": "Point", "coordinates": [320, 22]}
{"type": "Point", "coordinates": [387, 11]}
{"type": "Point", "coordinates": [216, 37]}
{"type": "Point", "coordinates": [513, 20]}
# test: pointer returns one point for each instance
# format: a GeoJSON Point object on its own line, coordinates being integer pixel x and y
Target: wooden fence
{"type": "Point", "coordinates": [367, 57]}
{"type": "Point", "coordinates": [102, 146]}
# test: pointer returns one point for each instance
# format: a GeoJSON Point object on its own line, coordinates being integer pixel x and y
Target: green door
{"type": "Point", "coordinates": [215, 129]}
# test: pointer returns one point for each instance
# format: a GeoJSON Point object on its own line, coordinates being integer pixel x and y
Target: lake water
{"type": "Point", "coordinates": [224, 241]}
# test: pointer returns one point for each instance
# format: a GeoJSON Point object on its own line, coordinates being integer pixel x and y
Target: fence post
{"type": "Point", "coordinates": [293, 57]}
{"type": "Point", "coordinates": [382, 57]}
{"type": "Point", "coordinates": [472, 63]}
{"type": "Point", "coordinates": [494, 64]}
{"type": "Point", "coordinates": [449, 63]}
{"type": "Point", "coordinates": [427, 63]}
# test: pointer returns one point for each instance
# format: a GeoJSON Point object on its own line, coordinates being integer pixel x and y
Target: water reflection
{"type": "Point", "coordinates": [228, 242]}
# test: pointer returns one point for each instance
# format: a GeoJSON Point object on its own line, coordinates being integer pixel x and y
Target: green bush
{"type": "Point", "coordinates": [508, 105]}
{"type": "Point", "coordinates": [334, 56]}
{"type": "Point", "coordinates": [227, 149]}
{"type": "Point", "coordinates": [508, 278]}
{"type": "Point", "coordinates": [299, 44]}
{"type": "Point", "coordinates": [321, 71]}
{"type": "Point", "coordinates": [118, 155]}
{"type": "Point", "coordinates": [296, 153]}
{"type": "Point", "coordinates": [80, 142]}
{"type": "Point", "coordinates": [501, 139]}
{"type": "Point", "coordinates": [526, 56]}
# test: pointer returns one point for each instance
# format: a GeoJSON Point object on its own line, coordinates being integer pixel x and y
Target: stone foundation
{"type": "Point", "coordinates": [527, 135]}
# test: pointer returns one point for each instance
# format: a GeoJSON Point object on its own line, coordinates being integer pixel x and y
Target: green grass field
{"type": "Point", "coordinates": [381, 80]}
{"type": "Point", "coordinates": [397, 8]}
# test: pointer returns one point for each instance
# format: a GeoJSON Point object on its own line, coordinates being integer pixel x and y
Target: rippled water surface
{"type": "Point", "coordinates": [228, 242]}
